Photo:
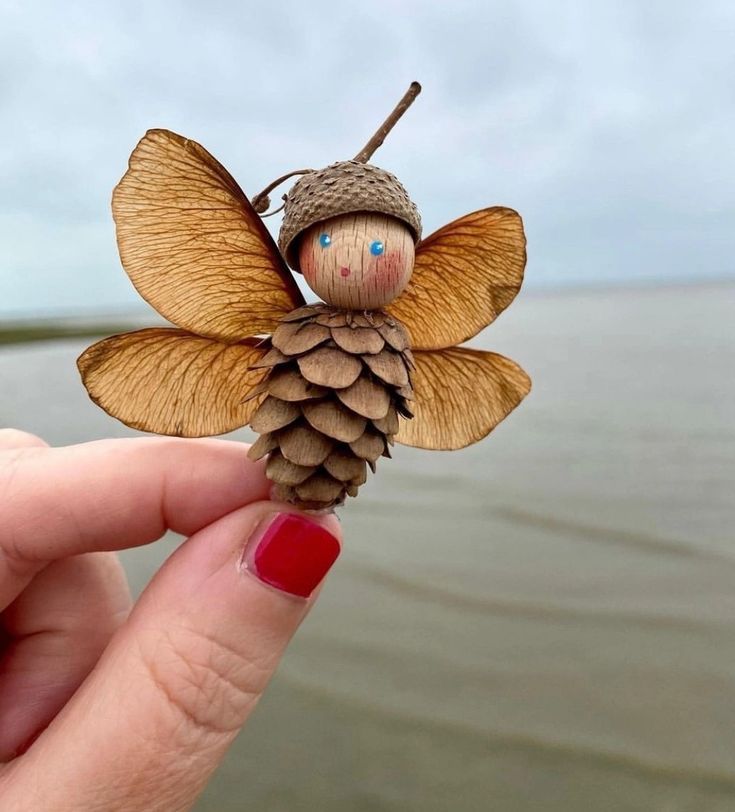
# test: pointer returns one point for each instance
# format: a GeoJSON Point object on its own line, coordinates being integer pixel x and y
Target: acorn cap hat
{"type": "Point", "coordinates": [345, 187]}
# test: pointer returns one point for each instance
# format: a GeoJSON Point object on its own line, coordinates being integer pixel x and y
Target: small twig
{"type": "Point", "coordinates": [261, 201]}
{"type": "Point", "coordinates": [275, 211]}
{"type": "Point", "coordinates": [366, 152]}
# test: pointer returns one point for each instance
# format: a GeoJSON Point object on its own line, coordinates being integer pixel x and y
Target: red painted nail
{"type": "Point", "coordinates": [294, 554]}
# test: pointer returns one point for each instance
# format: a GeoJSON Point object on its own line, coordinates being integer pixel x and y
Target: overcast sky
{"type": "Point", "coordinates": [608, 125]}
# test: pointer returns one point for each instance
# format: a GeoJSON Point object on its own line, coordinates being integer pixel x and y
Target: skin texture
{"type": "Point", "coordinates": [345, 273]}
{"type": "Point", "coordinates": [175, 675]}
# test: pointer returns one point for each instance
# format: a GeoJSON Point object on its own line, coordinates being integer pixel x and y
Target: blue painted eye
{"type": "Point", "coordinates": [325, 240]}
{"type": "Point", "coordinates": [376, 248]}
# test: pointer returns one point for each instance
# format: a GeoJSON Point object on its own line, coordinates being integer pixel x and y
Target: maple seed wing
{"type": "Point", "coordinates": [172, 382]}
{"type": "Point", "coordinates": [464, 276]}
{"type": "Point", "coordinates": [194, 247]}
{"type": "Point", "coordinates": [460, 395]}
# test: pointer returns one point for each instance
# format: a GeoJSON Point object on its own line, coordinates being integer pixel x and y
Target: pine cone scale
{"type": "Point", "coordinates": [304, 446]}
{"type": "Point", "coordinates": [388, 424]}
{"type": "Point", "coordinates": [295, 338]}
{"type": "Point", "coordinates": [288, 473]}
{"type": "Point", "coordinates": [290, 384]}
{"type": "Point", "coordinates": [274, 414]}
{"type": "Point", "coordinates": [358, 340]}
{"type": "Point", "coordinates": [366, 397]}
{"type": "Point", "coordinates": [330, 366]}
{"type": "Point", "coordinates": [338, 382]}
{"type": "Point", "coordinates": [334, 420]}
{"type": "Point", "coordinates": [389, 367]}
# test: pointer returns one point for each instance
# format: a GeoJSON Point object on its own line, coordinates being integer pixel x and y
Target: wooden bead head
{"type": "Point", "coordinates": [357, 261]}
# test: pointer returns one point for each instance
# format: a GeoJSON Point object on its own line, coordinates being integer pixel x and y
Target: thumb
{"type": "Point", "coordinates": [154, 719]}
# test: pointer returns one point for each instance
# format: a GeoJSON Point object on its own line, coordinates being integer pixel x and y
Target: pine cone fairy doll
{"type": "Point", "coordinates": [329, 387]}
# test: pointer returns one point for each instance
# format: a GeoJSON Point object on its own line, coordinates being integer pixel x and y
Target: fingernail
{"type": "Point", "coordinates": [293, 554]}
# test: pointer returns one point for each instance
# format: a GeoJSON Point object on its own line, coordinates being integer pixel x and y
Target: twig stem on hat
{"type": "Point", "coordinates": [363, 156]}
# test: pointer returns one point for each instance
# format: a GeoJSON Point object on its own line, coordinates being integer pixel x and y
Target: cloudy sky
{"type": "Point", "coordinates": [609, 124]}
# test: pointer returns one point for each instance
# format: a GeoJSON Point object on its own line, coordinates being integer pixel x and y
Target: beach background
{"type": "Point", "coordinates": [543, 621]}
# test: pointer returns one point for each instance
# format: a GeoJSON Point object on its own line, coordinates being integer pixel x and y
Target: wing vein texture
{"type": "Point", "coordinates": [170, 381]}
{"type": "Point", "coordinates": [193, 246]}
{"type": "Point", "coordinates": [460, 395]}
{"type": "Point", "coordinates": [465, 275]}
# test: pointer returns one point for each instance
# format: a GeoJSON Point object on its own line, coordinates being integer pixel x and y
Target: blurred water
{"type": "Point", "coordinates": [544, 621]}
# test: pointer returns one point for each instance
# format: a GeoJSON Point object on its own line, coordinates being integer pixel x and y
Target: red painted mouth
{"type": "Point", "coordinates": [344, 272]}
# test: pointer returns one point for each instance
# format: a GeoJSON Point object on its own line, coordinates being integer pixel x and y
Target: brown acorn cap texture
{"type": "Point", "coordinates": [338, 383]}
{"type": "Point", "coordinates": [345, 187]}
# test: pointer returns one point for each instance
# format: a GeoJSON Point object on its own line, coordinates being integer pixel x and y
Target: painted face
{"type": "Point", "coordinates": [357, 261]}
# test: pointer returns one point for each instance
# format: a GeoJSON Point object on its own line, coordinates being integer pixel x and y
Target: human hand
{"type": "Point", "coordinates": [108, 707]}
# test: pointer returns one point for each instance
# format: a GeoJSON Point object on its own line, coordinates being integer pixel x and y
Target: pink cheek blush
{"type": "Point", "coordinates": [389, 269]}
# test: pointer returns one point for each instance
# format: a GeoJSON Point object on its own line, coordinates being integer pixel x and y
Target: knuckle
{"type": "Point", "coordinates": [13, 564]}
{"type": "Point", "coordinates": [15, 438]}
{"type": "Point", "coordinates": [12, 560]}
{"type": "Point", "coordinates": [209, 685]}
{"type": "Point", "coordinates": [13, 459]}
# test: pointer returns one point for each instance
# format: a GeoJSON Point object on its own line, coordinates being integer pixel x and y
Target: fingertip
{"type": "Point", "coordinates": [292, 552]}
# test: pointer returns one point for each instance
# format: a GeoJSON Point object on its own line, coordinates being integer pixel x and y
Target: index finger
{"type": "Point", "coordinates": [112, 494]}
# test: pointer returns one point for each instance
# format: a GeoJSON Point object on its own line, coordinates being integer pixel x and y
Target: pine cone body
{"type": "Point", "coordinates": [339, 382]}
